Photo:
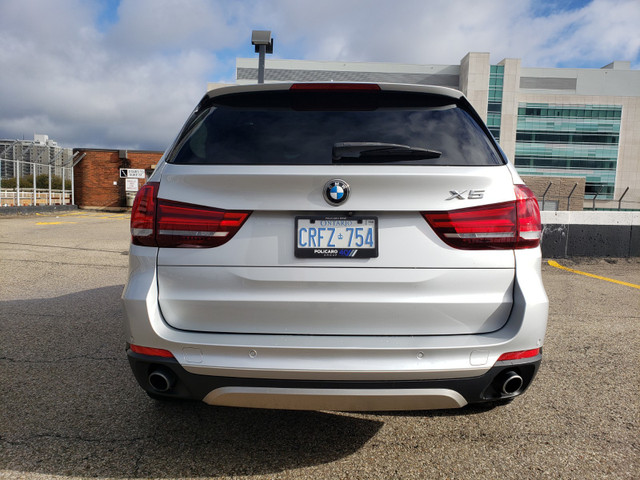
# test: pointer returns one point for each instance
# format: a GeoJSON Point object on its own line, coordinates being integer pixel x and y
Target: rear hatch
{"type": "Point", "coordinates": [331, 194]}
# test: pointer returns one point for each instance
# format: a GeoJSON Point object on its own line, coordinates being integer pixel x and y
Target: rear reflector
{"type": "Point", "coordinates": [519, 355]}
{"type": "Point", "coordinates": [168, 224]}
{"type": "Point", "coordinates": [154, 352]}
{"type": "Point", "coordinates": [508, 225]}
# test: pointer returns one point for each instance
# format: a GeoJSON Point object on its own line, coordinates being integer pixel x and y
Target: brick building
{"type": "Point", "coordinates": [97, 178]}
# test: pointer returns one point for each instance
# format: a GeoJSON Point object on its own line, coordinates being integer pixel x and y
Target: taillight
{"type": "Point", "coordinates": [529, 222]}
{"type": "Point", "coordinates": [519, 355]}
{"type": "Point", "coordinates": [143, 215]}
{"type": "Point", "coordinates": [164, 223]}
{"type": "Point", "coordinates": [508, 225]}
{"type": "Point", "coordinates": [187, 225]}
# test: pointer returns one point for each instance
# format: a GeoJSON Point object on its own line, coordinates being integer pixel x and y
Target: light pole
{"type": "Point", "coordinates": [263, 43]}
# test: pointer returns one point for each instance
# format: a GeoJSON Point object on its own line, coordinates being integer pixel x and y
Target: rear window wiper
{"type": "Point", "coordinates": [357, 152]}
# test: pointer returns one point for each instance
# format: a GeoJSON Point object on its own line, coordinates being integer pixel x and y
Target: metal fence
{"type": "Point", "coordinates": [34, 184]}
{"type": "Point", "coordinates": [557, 201]}
{"type": "Point", "coordinates": [620, 203]}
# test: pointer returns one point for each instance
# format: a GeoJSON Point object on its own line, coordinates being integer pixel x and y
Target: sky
{"type": "Point", "coordinates": [125, 74]}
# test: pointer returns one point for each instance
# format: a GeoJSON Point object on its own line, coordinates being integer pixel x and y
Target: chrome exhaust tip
{"type": "Point", "coordinates": [511, 383]}
{"type": "Point", "coordinates": [161, 380]}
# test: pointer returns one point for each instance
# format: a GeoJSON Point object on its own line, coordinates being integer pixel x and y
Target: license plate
{"type": "Point", "coordinates": [336, 237]}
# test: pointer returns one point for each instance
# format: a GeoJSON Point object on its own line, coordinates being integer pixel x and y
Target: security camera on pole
{"type": "Point", "coordinates": [263, 43]}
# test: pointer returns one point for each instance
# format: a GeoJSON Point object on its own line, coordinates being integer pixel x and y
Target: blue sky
{"type": "Point", "coordinates": [126, 73]}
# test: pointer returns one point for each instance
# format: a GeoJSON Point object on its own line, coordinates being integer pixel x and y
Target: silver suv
{"type": "Point", "coordinates": [332, 246]}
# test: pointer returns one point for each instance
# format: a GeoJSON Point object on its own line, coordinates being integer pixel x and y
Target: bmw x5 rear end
{"type": "Point", "coordinates": [335, 247]}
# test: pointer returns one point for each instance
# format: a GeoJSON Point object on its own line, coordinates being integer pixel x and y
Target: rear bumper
{"type": "Point", "coordinates": [328, 372]}
{"type": "Point", "coordinates": [333, 395]}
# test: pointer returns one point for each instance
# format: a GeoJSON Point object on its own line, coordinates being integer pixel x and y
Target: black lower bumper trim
{"type": "Point", "coordinates": [479, 389]}
{"type": "Point", "coordinates": [484, 388]}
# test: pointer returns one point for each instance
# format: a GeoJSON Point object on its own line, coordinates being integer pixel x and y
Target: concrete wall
{"type": "Point", "coordinates": [590, 234]}
{"type": "Point", "coordinates": [31, 210]}
{"type": "Point", "coordinates": [278, 70]}
{"type": "Point", "coordinates": [474, 81]}
{"type": "Point", "coordinates": [509, 114]}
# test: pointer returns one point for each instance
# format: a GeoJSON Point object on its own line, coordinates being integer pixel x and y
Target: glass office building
{"type": "Point", "coordinates": [551, 122]}
{"type": "Point", "coordinates": [570, 140]}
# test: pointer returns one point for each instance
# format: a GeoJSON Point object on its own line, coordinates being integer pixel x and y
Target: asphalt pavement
{"type": "Point", "coordinates": [70, 407]}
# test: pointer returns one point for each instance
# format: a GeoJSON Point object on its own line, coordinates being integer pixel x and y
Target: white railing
{"type": "Point", "coordinates": [23, 179]}
{"type": "Point", "coordinates": [9, 197]}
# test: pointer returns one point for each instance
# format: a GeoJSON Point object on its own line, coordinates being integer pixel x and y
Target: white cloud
{"type": "Point", "coordinates": [170, 25]}
{"type": "Point", "coordinates": [443, 31]}
{"type": "Point", "coordinates": [130, 83]}
{"type": "Point", "coordinates": [603, 31]}
{"type": "Point", "coordinates": [81, 90]}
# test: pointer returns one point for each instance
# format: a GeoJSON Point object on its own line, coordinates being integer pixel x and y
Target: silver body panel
{"type": "Point", "coordinates": [321, 301]}
{"type": "Point", "coordinates": [254, 284]}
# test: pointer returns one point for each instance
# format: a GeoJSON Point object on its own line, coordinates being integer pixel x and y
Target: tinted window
{"type": "Point", "coordinates": [279, 128]}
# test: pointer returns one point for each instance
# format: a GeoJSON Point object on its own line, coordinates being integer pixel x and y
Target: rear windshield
{"type": "Point", "coordinates": [303, 128]}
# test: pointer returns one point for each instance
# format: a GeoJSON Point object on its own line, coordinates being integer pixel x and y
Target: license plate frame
{"type": "Point", "coordinates": [358, 244]}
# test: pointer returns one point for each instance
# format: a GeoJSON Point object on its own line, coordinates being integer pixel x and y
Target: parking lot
{"type": "Point", "coordinates": [71, 408]}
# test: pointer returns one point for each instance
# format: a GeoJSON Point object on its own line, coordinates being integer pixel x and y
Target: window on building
{"type": "Point", "coordinates": [570, 140]}
{"type": "Point", "coordinates": [494, 108]}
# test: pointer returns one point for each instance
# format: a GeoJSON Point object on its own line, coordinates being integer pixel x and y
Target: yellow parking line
{"type": "Point", "coordinates": [52, 223]}
{"type": "Point", "coordinates": [557, 265]}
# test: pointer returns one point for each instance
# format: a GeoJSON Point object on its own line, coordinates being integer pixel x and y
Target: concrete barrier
{"type": "Point", "coordinates": [590, 234]}
{"type": "Point", "coordinates": [30, 210]}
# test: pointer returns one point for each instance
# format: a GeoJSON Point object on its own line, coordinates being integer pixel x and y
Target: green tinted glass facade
{"type": "Point", "coordinates": [496, 81]}
{"type": "Point", "coordinates": [570, 140]}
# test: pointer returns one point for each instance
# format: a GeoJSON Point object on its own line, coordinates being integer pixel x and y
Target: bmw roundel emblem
{"type": "Point", "coordinates": [336, 192]}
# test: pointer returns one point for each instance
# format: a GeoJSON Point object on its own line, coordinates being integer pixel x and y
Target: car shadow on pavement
{"type": "Point", "coordinates": [70, 406]}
